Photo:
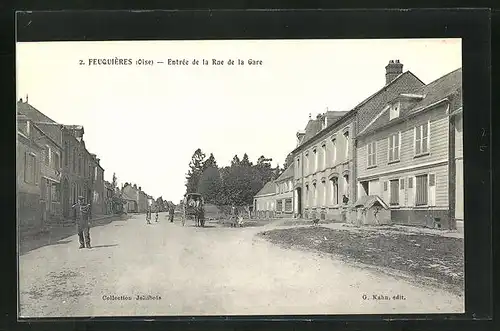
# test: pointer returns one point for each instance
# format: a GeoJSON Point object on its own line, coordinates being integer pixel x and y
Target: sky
{"type": "Point", "coordinates": [145, 121]}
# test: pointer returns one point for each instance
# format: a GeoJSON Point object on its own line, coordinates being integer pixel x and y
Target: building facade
{"type": "Point", "coordinates": [284, 193]}
{"type": "Point", "coordinates": [325, 173]}
{"type": "Point", "coordinates": [130, 193]}
{"type": "Point", "coordinates": [50, 176]}
{"type": "Point", "coordinates": [410, 155]}
{"type": "Point", "coordinates": [264, 201]}
{"type": "Point", "coordinates": [28, 162]}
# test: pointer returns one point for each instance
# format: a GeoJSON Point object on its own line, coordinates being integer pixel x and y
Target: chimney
{"type": "Point", "coordinates": [135, 186]}
{"type": "Point", "coordinates": [140, 188]}
{"type": "Point", "coordinates": [310, 115]}
{"type": "Point", "coordinates": [26, 98]}
{"type": "Point", "coordinates": [21, 100]}
{"type": "Point", "coordinates": [392, 70]}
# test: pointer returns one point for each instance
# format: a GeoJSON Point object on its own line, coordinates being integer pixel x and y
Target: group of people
{"type": "Point", "coordinates": [82, 214]}
{"type": "Point", "coordinates": [170, 215]}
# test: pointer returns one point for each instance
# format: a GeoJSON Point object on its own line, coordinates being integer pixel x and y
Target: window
{"type": "Point", "coordinates": [279, 205]}
{"type": "Point", "coordinates": [394, 111]}
{"type": "Point", "coordinates": [394, 192]}
{"type": "Point", "coordinates": [307, 195]}
{"type": "Point", "coordinates": [372, 158]}
{"type": "Point", "coordinates": [402, 183]}
{"type": "Point", "coordinates": [394, 141]}
{"type": "Point", "coordinates": [66, 152]}
{"type": "Point", "coordinates": [346, 185]}
{"type": "Point", "coordinates": [46, 155]}
{"type": "Point", "coordinates": [56, 192]}
{"type": "Point", "coordinates": [315, 196]}
{"type": "Point", "coordinates": [307, 163]}
{"type": "Point", "coordinates": [334, 151]}
{"type": "Point", "coordinates": [30, 168]}
{"type": "Point", "coordinates": [346, 136]}
{"type": "Point", "coordinates": [422, 139]}
{"type": "Point", "coordinates": [410, 182]}
{"type": "Point", "coordinates": [315, 151]}
{"type": "Point", "coordinates": [421, 198]}
{"type": "Point", "coordinates": [290, 186]}
{"type": "Point", "coordinates": [56, 163]}
{"type": "Point", "coordinates": [288, 204]}
{"type": "Point", "coordinates": [323, 188]}
{"type": "Point", "coordinates": [323, 152]}
{"type": "Point", "coordinates": [334, 185]}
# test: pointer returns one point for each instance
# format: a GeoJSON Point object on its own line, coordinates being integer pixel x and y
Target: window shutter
{"type": "Point", "coordinates": [432, 190]}
{"type": "Point", "coordinates": [396, 146]}
{"type": "Point", "coordinates": [402, 184]}
{"type": "Point", "coordinates": [417, 140]}
{"type": "Point", "coordinates": [425, 138]}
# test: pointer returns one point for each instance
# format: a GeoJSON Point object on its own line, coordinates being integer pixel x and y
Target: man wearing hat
{"type": "Point", "coordinates": [81, 212]}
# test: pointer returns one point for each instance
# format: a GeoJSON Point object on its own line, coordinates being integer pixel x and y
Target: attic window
{"type": "Point", "coordinates": [394, 111]}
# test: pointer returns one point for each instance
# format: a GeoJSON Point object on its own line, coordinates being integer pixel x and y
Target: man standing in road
{"type": "Point", "coordinates": [81, 212]}
{"type": "Point", "coordinates": [171, 214]}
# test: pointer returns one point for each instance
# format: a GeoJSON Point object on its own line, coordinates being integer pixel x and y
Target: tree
{"type": "Point", "coordinates": [195, 171]}
{"type": "Point", "coordinates": [288, 161]}
{"type": "Point", "coordinates": [245, 161]}
{"type": "Point", "coordinates": [210, 184]}
{"type": "Point", "coordinates": [210, 162]}
{"type": "Point", "coordinates": [235, 161]}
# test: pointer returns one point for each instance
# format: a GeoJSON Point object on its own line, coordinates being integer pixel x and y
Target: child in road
{"type": "Point", "coordinates": [156, 216]}
{"type": "Point", "coordinates": [148, 217]}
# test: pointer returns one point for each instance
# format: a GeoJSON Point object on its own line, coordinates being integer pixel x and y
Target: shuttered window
{"type": "Point", "coordinates": [410, 182]}
{"type": "Point", "coordinates": [372, 150]}
{"type": "Point", "coordinates": [422, 139]}
{"type": "Point", "coordinates": [279, 205]}
{"type": "Point", "coordinates": [394, 141]}
{"type": "Point", "coordinates": [394, 192]}
{"type": "Point", "coordinates": [288, 204]}
{"type": "Point", "coordinates": [385, 186]}
{"type": "Point", "coordinates": [402, 183]}
{"type": "Point", "coordinates": [422, 190]}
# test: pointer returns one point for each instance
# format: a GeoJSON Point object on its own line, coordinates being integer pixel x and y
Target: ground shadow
{"type": "Point", "coordinates": [54, 235]}
{"type": "Point", "coordinates": [104, 246]}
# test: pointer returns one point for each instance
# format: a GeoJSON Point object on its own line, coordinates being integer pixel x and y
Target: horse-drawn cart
{"type": "Point", "coordinates": [194, 209]}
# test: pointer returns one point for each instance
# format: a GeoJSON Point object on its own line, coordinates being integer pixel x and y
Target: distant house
{"type": "Point", "coordinates": [130, 193]}
{"type": "Point", "coordinates": [284, 193]}
{"type": "Point", "coordinates": [264, 201]}
{"type": "Point", "coordinates": [411, 154]}
{"type": "Point", "coordinates": [109, 195]}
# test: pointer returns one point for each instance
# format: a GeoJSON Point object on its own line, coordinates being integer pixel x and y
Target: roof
{"type": "Point", "coordinates": [371, 102]}
{"type": "Point", "coordinates": [288, 173]}
{"type": "Point", "coordinates": [33, 113]}
{"type": "Point", "coordinates": [267, 189]}
{"type": "Point", "coordinates": [449, 85]}
{"type": "Point", "coordinates": [369, 201]}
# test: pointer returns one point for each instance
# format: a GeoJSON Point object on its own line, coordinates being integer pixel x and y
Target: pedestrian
{"type": "Point", "coordinates": [156, 217]}
{"type": "Point", "coordinates": [148, 217]}
{"type": "Point", "coordinates": [81, 213]}
{"type": "Point", "coordinates": [171, 214]}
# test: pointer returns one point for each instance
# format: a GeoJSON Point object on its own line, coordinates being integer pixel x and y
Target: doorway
{"type": "Point", "coordinates": [298, 199]}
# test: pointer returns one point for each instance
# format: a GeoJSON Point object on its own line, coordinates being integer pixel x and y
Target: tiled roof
{"type": "Point", "coordinates": [267, 189]}
{"type": "Point", "coordinates": [288, 173]}
{"type": "Point", "coordinates": [448, 85]}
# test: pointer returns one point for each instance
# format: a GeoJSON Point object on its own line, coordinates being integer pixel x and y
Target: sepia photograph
{"type": "Point", "coordinates": [240, 177]}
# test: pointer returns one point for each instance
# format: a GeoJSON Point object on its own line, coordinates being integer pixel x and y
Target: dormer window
{"type": "Point", "coordinates": [394, 111]}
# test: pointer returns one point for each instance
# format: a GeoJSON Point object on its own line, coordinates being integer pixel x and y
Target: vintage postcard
{"type": "Point", "coordinates": [240, 177]}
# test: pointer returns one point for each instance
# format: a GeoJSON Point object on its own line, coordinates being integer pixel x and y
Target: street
{"type": "Point", "coordinates": [205, 271]}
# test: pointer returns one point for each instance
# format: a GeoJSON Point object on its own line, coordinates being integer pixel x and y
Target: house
{"type": "Point", "coordinates": [143, 202]}
{"type": "Point", "coordinates": [284, 193]}
{"type": "Point", "coordinates": [324, 159]}
{"type": "Point", "coordinates": [77, 165]}
{"type": "Point", "coordinates": [28, 162]}
{"type": "Point", "coordinates": [131, 195]}
{"type": "Point", "coordinates": [411, 154]}
{"type": "Point", "coordinates": [264, 201]}
{"type": "Point", "coordinates": [96, 186]}
{"type": "Point", "coordinates": [50, 172]}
